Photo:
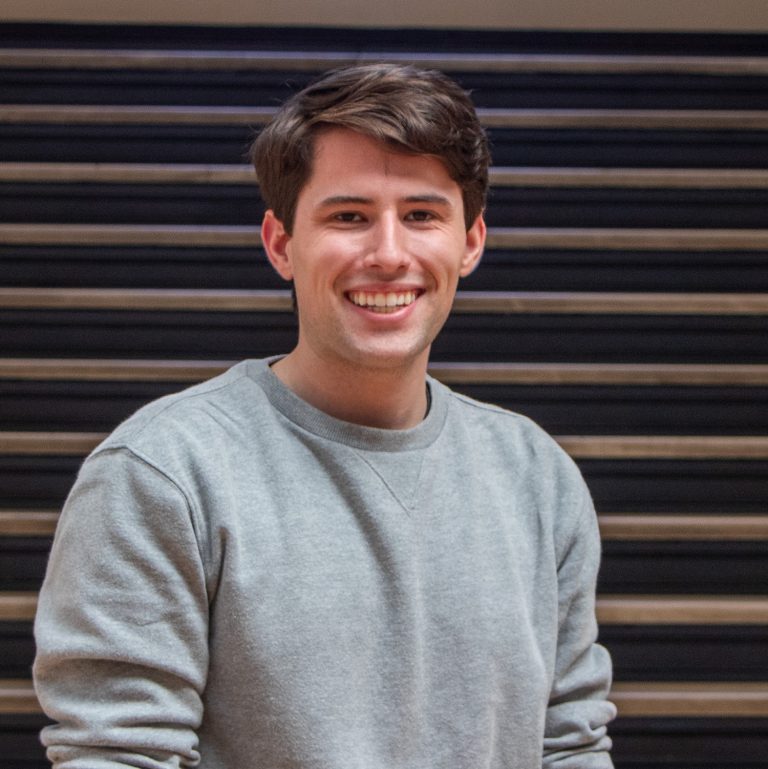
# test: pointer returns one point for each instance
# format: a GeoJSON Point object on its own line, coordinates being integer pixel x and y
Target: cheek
{"type": "Point", "coordinates": [442, 259]}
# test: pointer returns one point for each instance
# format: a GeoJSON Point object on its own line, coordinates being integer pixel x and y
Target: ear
{"type": "Point", "coordinates": [474, 246]}
{"type": "Point", "coordinates": [275, 240]}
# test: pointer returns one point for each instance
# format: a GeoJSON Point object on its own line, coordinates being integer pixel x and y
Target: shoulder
{"type": "Point", "coordinates": [186, 422]}
{"type": "Point", "coordinates": [504, 429]}
{"type": "Point", "coordinates": [518, 454]}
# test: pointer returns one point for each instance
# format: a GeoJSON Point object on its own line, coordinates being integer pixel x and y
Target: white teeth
{"type": "Point", "coordinates": [382, 302]}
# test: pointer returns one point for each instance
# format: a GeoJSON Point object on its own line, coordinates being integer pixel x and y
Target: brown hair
{"type": "Point", "coordinates": [412, 110]}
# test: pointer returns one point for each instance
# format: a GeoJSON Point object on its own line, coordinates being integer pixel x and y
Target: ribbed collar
{"type": "Point", "coordinates": [319, 423]}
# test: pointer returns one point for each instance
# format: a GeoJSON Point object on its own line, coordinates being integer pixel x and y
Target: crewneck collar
{"type": "Point", "coordinates": [319, 423]}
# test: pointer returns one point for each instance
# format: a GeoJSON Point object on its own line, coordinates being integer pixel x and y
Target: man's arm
{"type": "Point", "coordinates": [576, 735]}
{"type": "Point", "coordinates": [122, 622]}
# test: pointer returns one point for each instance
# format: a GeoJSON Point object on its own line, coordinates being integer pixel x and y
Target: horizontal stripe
{"type": "Point", "coordinates": [477, 302]}
{"type": "Point", "coordinates": [632, 374]}
{"type": "Point", "coordinates": [247, 236]}
{"type": "Point", "coordinates": [181, 60]}
{"type": "Point", "coordinates": [34, 443]}
{"type": "Point", "coordinates": [605, 119]}
{"type": "Point", "coordinates": [643, 700]}
{"type": "Point", "coordinates": [500, 176]}
{"type": "Point", "coordinates": [690, 527]}
{"type": "Point", "coordinates": [682, 610]}
{"type": "Point", "coordinates": [611, 610]}
{"type": "Point", "coordinates": [692, 700]}
{"type": "Point", "coordinates": [613, 526]}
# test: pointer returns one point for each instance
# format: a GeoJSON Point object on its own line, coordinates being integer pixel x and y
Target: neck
{"type": "Point", "coordinates": [389, 398]}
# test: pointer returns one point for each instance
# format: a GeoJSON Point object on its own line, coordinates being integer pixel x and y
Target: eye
{"type": "Point", "coordinates": [347, 217]}
{"type": "Point", "coordinates": [420, 216]}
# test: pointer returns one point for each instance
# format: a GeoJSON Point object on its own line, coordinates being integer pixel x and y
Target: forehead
{"type": "Point", "coordinates": [342, 157]}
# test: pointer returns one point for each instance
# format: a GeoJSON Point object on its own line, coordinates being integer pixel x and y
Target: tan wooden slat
{"type": "Point", "coordinates": [682, 610]}
{"type": "Point", "coordinates": [695, 700]}
{"type": "Point", "coordinates": [640, 178]}
{"type": "Point", "coordinates": [198, 236]}
{"type": "Point", "coordinates": [626, 119]}
{"type": "Point", "coordinates": [625, 239]}
{"type": "Point", "coordinates": [579, 447]}
{"type": "Point", "coordinates": [128, 173]}
{"type": "Point", "coordinates": [191, 173]}
{"type": "Point", "coordinates": [93, 370]}
{"type": "Point", "coordinates": [105, 114]}
{"type": "Point", "coordinates": [605, 119]}
{"type": "Point", "coordinates": [17, 606]}
{"type": "Point", "coordinates": [212, 60]}
{"type": "Point", "coordinates": [643, 700]}
{"type": "Point", "coordinates": [31, 443]}
{"type": "Point", "coordinates": [613, 526]}
{"type": "Point", "coordinates": [28, 523]}
{"type": "Point", "coordinates": [647, 374]}
{"type": "Point", "coordinates": [233, 236]}
{"type": "Point", "coordinates": [146, 299]}
{"type": "Point", "coordinates": [664, 447]}
{"type": "Point", "coordinates": [690, 527]}
{"type": "Point", "coordinates": [635, 374]}
{"type": "Point", "coordinates": [18, 696]}
{"type": "Point", "coordinates": [486, 302]}
{"type": "Point", "coordinates": [610, 303]}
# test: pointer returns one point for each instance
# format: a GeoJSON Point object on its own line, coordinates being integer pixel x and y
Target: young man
{"type": "Point", "coordinates": [329, 560]}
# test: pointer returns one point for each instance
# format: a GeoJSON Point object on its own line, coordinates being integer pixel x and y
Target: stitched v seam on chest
{"type": "Point", "coordinates": [400, 474]}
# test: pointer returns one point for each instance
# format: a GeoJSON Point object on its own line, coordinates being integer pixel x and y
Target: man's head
{"type": "Point", "coordinates": [411, 110]}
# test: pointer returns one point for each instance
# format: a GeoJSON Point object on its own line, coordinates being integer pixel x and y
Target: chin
{"type": "Point", "coordinates": [388, 358]}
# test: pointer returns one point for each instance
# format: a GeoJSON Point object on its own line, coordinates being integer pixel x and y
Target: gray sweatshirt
{"type": "Point", "coordinates": [239, 581]}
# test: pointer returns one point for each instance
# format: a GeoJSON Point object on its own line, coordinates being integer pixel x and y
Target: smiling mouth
{"type": "Point", "coordinates": [381, 301]}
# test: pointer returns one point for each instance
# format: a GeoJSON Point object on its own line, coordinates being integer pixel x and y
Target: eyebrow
{"type": "Point", "coordinates": [439, 200]}
{"type": "Point", "coordinates": [342, 200]}
{"type": "Point", "coordinates": [337, 200]}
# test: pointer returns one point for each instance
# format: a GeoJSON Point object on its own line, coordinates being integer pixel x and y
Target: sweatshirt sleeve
{"type": "Point", "coordinates": [122, 622]}
{"type": "Point", "coordinates": [578, 713]}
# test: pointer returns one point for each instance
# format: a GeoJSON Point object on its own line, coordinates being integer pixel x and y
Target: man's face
{"type": "Point", "coordinates": [378, 245]}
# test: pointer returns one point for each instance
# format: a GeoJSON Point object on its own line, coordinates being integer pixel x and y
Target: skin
{"type": "Point", "coordinates": [370, 221]}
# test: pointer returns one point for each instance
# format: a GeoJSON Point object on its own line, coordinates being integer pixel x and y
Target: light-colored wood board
{"type": "Point", "coordinates": [625, 239]}
{"type": "Point", "coordinates": [247, 236]}
{"type": "Point", "coordinates": [501, 176]}
{"type": "Point", "coordinates": [683, 528]}
{"type": "Point", "coordinates": [110, 370]}
{"type": "Point", "coordinates": [243, 60]}
{"type": "Point", "coordinates": [630, 178]}
{"type": "Point", "coordinates": [664, 447]}
{"type": "Point", "coordinates": [229, 300]}
{"type": "Point", "coordinates": [610, 303]}
{"type": "Point", "coordinates": [633, 699]}
{"type": "Point", "coordinates": [39, 443]}
{"type": "Point", "coordinates": [682, 610]}
{"type": "Point", "coordinates": [28, 523]}
{"type": "Point", "coordinates": [475, 302]}
{"type": "Point", "coordinates": [646, 374]}
{"type": "Point", "coordinates": [578, 446]}
{"type": "Point", "coordinates": [453, 373]}
{"type": "Point", "coordinates": [692, 700]}
{"type": "Point", "coordinates": [16, 606]}
{"type": "Point", "coordinates": [17, 696]}
{"type": "Point", "coordinates": [599, 119]}
{"type": "Point", "coordinates": [689, 527]}
{"type": "Point", "coordinates": [195, 236]}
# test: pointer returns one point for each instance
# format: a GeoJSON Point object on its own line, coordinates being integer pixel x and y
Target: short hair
{"type": "Point", "coordinates": [411, 110]}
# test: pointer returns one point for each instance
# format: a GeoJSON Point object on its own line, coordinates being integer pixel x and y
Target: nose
{"type": "Point", "coordinates": [388, 249]}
